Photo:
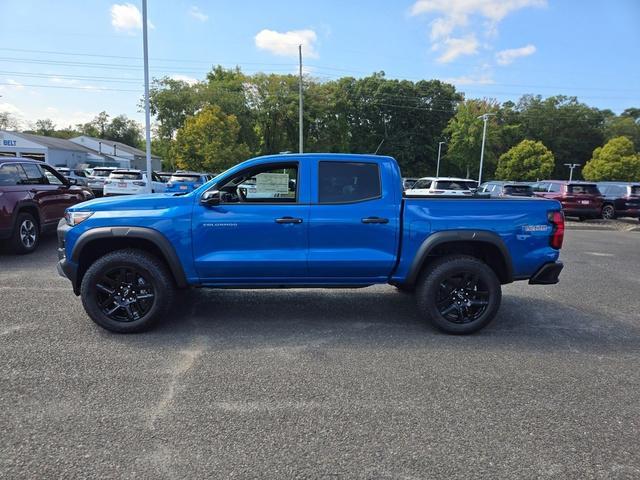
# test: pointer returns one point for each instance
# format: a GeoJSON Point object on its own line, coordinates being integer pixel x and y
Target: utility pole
{"type": "Point", "coordinates": [485, 119]}
{"type": "Point", "coordinates": [147, 115]}
{"type": "Point", "coordinates": [438, 164]}
{"type": "Point", "coordinates": [301, 102]}
{"type": "Point", "coordinates": [571, 167]}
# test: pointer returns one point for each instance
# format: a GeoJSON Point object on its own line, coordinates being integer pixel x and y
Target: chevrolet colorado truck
{"type": "Point", "coordinates": [304, 221]}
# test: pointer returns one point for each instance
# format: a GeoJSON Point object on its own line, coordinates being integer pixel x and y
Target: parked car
{"type": "Point", "coordinates": [344, 223]}
{"type": "Point", "coordinates": [33, 198]}
{"type": "Point", "coordinates": [408, 182]}
{"type": "Point", "coordinates": [97, 178]}
{"type": "Point", "coordinates": [131, 182]}
{"type": "Point", "coordinates": [506, 189]}
{"type": "Point", "coordinates": [80, 176]}
{"type": "Point", "coordinates": [441, 186]}
{"type": "Point", "coordinates": [578, 199]}
{"type": "Point", "coordinates": [621, 199]}
{"type": "Point", "coordinates": [186, 181]}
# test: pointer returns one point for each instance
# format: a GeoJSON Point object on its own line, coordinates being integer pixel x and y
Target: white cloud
{"type": "Point", "coordinates": [11, 84]}
{"type": "Point", "coordinates": [184, 78]}
{"type": "Point", "coordinates": [63, 81]}
{"type": "Point", "coordinates": [451, 16]}
{"type": "Point", "coordinates": [286, 44]}
{"type": "Point", "coordinates": [470, 80]}
{"type": "Point", "coordinates": [10, 108]}
{"type": "Point", "coordinates": [505, 57]}
{"type": "Point", "coordinates": [197, 14]}
{"type": "Point", "coordinates": [455, 47]}
{"type": "Point", "coordinates": [126, 17]}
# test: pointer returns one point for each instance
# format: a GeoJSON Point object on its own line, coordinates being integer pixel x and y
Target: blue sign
{"type": "Point", "coordinates": [9, 143]}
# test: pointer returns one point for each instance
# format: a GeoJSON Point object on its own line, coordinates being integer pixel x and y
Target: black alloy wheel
{"type": "Point", "coordinates": [462, 297]}
{"type": "Point", "coordinates": [124, 294]}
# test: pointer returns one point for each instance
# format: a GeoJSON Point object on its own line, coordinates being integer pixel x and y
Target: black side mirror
{"type": "Point", "coordinates": [210, 198]}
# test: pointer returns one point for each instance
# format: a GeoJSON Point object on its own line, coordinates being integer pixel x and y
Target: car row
{"type": "Point", "coordinates": [441, 186]}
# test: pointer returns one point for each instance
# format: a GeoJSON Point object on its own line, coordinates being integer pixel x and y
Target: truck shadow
{"type": "Point", "coordinates": [379, 317]}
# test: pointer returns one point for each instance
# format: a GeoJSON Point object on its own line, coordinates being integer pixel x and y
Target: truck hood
{"type": "Point", "coordinates": [150, 201]}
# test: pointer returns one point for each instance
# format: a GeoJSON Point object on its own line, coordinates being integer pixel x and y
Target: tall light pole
{"type": "Point", "coordinates": [438, 164]}
{"type": "Point", "coordinates": [147, 115]}
{"type": "Point", "coordinates": [301, 148]}
{"type": "Point", "coordinates": [571, 167]}
{"type": "Point", "coordinates": [485, 119]}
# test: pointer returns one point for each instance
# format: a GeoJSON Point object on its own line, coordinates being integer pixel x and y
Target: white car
{"type": "Point", "coordinates": [97, 178]}
{"type": "Point", "coordinates": [437, 186]}
{"type": "Point", "coordinates": [131, 182]}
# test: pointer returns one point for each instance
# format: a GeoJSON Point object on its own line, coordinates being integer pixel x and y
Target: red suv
{"type": "Point", "coordinates": [33, 197]}
{"type": "Point", "coordinates": [578, 199]}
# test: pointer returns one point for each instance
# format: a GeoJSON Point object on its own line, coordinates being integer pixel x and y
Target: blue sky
{"type": "Point", "coordinates": [68, 60]}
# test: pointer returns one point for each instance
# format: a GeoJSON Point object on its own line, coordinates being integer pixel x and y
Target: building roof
{"type": "Point", "coordinates": [108, 146]}
{"type": "Point", "coordinates": [53, 142]}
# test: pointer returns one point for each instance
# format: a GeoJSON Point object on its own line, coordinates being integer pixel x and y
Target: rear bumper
{"type": "Point", "coordinates": [547, 274]}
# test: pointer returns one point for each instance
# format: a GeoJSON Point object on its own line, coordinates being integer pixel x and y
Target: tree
{"type": "Point", "coordinates": [123, 130]}
{"type": "Point", "coordinates": [45, 127]}
{"type": "Point", "coordinates": [465, 139]}
{"type": "Point", "coordinates": [622, 126]}
{"type": "Point", "coordinates": [208, 141]}
{"type": "Point", "coordinates": [8, 121]}
{"type": "Point", "coordinates": [527, 161]}
{"type": "Point", "coordinates": [616, 160]}
{"type": "Point", "coordinates": [96, 127]}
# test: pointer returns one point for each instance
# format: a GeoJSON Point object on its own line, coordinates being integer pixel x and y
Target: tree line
{"type": "Point", "coordinates": [230, 116]}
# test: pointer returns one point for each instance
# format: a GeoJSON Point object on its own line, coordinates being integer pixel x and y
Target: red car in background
{"type": "Point", "coordinates": [33, 198]}
{"type": "Point", "coordinates": [578, 199]}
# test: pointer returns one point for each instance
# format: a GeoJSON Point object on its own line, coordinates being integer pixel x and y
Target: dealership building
{"type": "Point", "coordinates": [82, 151]}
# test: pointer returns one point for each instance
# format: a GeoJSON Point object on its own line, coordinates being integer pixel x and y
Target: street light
{"type": "Point", "coordinates": [438, 164]}
{"type": "Point", "coordinates": [147, 115]}
{"type": "Point", "coordinates": [571, 167]}
{"type": "Point", "coordinates": [485, 119]}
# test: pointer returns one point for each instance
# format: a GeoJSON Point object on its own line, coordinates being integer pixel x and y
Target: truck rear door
{"type": "Point", "coordinates": [354, 220]}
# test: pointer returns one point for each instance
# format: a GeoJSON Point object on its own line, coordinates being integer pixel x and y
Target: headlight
{"type": "Point", "coordinates": [74, 218]}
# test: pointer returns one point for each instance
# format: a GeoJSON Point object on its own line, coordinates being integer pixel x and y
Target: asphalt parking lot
{"type": "Point", "coordinates": [327, 383]}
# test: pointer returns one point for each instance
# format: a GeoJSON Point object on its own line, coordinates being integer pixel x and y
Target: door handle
{"type": "Point", "coordinates": [288, 220]}
{"type": "Point", "coordinates": [375, 220]}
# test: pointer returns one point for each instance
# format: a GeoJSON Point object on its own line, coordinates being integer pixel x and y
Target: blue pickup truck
{"type": "Point", "coordinates": [305, 221]}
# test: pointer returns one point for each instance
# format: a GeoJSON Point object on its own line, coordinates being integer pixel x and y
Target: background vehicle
{"type": "Point", "coordinates": [343, 222]}
{"type": "Point", "coordinates": [97, 178]}
{"type": "Point", "coordinates": [441, 186]}
{"type": "Point", "coordinates": [578, 199]}
{"type": "Point", "coordinates": [621, 199]}
{"type": "Point", "coordinates": [164, 176]}
{"type": "Point", "coordinates": [502, 189]}
{"type": "Point", "coordinates": [78, 175]}
{"type": "Point", "coordinates": [186, 181]}
{"type": "Point", "coordinates": [33, 198]}
{"type": "Point", "coordinates": [408, 183]}
{"type": "Point", "coordinates": [131, 182]}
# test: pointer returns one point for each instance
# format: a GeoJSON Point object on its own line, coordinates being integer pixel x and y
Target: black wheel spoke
{"type": "Point", "coordinates": [124, 294]}
{"type": "Point", "coordinates": [104, 289]}
{"type": "Point", "coordinates": [462, 297]}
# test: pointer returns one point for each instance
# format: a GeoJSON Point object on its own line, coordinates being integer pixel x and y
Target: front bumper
{"type": "Point", "coordinates": [64, 267]}
{"type": "Point", "coordinates": [547, 274]}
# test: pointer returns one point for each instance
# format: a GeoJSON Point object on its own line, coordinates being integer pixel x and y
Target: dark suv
{"type": "Point", "coordinates": [33, 197]}
{"type": "Point", "coordinates": [621, 199]}
{"type": "Point", "coordinates": [578, 199]}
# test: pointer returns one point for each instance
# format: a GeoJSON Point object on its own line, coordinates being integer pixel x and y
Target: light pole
{"type": "Point", "coordinates": [485, 119]}
{"type": "Point", "coordinates": [571, 167]}
{"type": "Point", "coordinates": [147, 115]}
{"type": "Point", "coordinates": [301, 140]}
{"type": "Point", "coordinates": [438, 164]}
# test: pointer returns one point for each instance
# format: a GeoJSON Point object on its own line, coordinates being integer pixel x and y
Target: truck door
{"type": "Point", "coordinates": [259, 231]}
{"type": "Point", "coordinates": [354, 221]}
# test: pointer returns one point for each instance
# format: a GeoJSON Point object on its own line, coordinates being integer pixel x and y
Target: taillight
{"type": "Point", "coordinates": [557, 234]}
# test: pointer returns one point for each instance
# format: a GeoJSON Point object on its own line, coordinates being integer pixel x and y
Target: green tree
{"type": "Point", "coordinates": [464, 132]}
{"type": "Point", "coordinates": [208, 141]}
{"type": "Point", "coordinates": [45, 127]}
{"type": "Point", "coordinates": [527, 161]}
{"type": "Point", "coordinates": [616, 160]}
{"type": "Point", "coordinates": [622, 126]}
{"type": "Point", "coordinates": [121, 129]}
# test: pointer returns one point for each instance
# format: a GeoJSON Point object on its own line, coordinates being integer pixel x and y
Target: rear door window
{"type": "Point", "coordinates": [345, 182]}
{"type": "Point", "coordinates": [451, 185]}
{"type": "Point", "coordinates": [555, 187]}
{"type": "Point", "coordinates": [422, 184]}
{"type": "Point", "coordinates": [518, 190]}
{"type": "Point", "coordinates": [34, 174]}
{"type": "Point", "coordinates": [635, 190]}
{"type": "Point", "coordinates": [584, 189]}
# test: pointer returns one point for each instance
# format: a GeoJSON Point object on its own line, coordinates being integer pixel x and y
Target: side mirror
{"type": "Point", "coordinates": [210, 198]}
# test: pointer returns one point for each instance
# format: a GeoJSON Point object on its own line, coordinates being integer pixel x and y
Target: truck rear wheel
{"type": "Point", "coordinates": [127, 291]}
{"type": "Point", "coordinates": [459, 294]}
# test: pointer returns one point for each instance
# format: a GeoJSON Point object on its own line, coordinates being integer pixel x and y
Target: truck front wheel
{"type": "Point", "coordinates": [459, 294]}
{"type": "Point", "coordinates": [126, 291]}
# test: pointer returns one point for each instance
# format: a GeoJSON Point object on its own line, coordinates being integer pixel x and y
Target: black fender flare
{"type": "Point", "coordinates": [154, 236]}
{"type": "Point", "coordinates": [447, 236]}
